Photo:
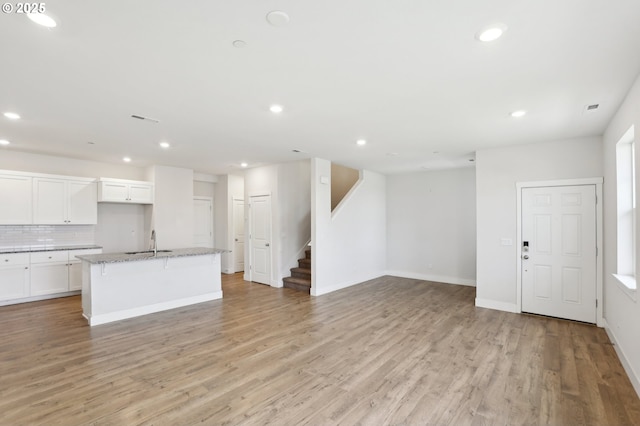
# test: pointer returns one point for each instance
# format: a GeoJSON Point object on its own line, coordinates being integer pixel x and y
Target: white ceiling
{"type": "Point", "coordinates": [406, 75]}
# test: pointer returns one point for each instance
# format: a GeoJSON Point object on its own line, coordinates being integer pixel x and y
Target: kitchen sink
{"type": "Point", "coordinates": [147, 252]}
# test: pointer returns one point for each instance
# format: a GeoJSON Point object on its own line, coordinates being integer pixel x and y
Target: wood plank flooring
{"type": "Point", "coordinates": [389, 351]}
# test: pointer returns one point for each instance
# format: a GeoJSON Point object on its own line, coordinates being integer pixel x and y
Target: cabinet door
{"type": "Point", "coordinates": [141, 193]}
{"type": "Point", "coordinates": [114, 192]}
{"type": "Point", "coordinates": [14, 282]}
{"type": "Point", "coordinates": [83, 203]}
{"type": "Point", "coordinates": [15, 193]}
{"type": "Point", "coordinates": [50, 202]}
{"type": "Point", "coordinates": [75, 276]}
{"type": "Point", "coordinates": [49, 278]}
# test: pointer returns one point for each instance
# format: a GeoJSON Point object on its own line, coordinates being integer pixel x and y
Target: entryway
{"type": "Point", "coordinates": [559, 266]}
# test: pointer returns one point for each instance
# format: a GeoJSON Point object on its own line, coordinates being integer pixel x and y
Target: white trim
{"type": "Point", "coordinates": [259, 194]}
{"type": "Point", "coordinates": [203, 177]}
{"type": "Point", "coordinates": [597, 182]}
{"type": "Point", "coordinates": [348, 195]}
{"type": "Point", "coordinates": [433, 278]}
{"type": "Point", "coordinates": [41, 297]}
{"type": "Point", "coordinates": [150, 309]}
{"type": "Point", "coordinates": [496, 305]}
{"type": "Point", "coordinates": [340, 286]}
{"type": "Point", "coordinates": [633, 376]}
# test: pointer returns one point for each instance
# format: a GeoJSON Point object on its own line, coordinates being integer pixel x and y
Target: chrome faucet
{"type": "Point", "coordinates": [154, 243]}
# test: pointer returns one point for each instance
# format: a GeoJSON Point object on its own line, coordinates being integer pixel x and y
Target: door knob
{"type": "Point", "coordinates": [266, 244]}
{"type": "Point", "coordinates": [525, 257]}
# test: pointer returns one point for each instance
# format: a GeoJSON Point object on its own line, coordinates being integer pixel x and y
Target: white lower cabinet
{"type": "Point", "coordinates": [75, 267]}
{"type": "Point", "coordinates": [49, 272]}
{"type": "Point", "coordinates": [26, 276]}
{"type": "Point", "coordinates": [14, 276]}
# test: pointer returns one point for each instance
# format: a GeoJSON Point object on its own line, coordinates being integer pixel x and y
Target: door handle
{"type": "Point", "coordinates": [525, 257]}
{"type": "Point", "coordinates": [266, 244]}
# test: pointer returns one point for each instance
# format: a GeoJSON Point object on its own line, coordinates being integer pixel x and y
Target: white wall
{"type": "Point", "coordinates": [497, 171]}
{"type": "Point", "coordinates": [431, 226]}
{"type": "Point", "coordinates": [173, 206]}
{"type": "Point", "coordinates": [39, 163]}
{"type": "Point", "coordinates": [349, 247]}
{"type": "Point", "coordinates": [121, 227]}
{"type": "Point", "coordinates": [288, 184]}
{"type": "Point", "coordinates": [621, 312]}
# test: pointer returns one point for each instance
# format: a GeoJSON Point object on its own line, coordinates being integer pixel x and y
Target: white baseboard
{"type": "Point", "coordinates": [633, 376]}
{"type": "Point", "coordinates": [38, 298]}
{"type": "Point", "coordinates": [340, 286]}
{"type": "Point", "coordinates": [496, 305]}
{"type": "Point", "coordinates": [150, 309]}
{"type": "Point", "coordinates": [434, 278]}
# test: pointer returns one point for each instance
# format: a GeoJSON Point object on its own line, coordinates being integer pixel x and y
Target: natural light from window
{"type": "Point", "coordinates": [626, 182]}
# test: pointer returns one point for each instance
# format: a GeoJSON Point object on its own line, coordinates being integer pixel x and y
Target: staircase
{"type": "Point", "coordinates": [300, 278]}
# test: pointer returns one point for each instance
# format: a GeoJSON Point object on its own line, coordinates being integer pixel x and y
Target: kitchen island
{"type": "Point", "coordinates": [124, 285]}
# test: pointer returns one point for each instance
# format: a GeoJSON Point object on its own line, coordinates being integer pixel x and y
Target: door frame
{"type": "Point", "coordinates": [249, 274]}
{"type": "Point", "coordinates": [597, 182]}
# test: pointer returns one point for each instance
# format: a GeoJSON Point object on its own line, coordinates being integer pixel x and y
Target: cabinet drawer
{"type": "Point", "coordinates": [74, 253]}
{"type": "Point", "coordinates": [50, 256]}
{"type": "Point", "coordinates": [14, 259]}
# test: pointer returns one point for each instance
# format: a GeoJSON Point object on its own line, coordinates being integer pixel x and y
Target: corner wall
{"type": "Point", "coordinates": [621, 311]}
{"type": "Point", "coordinates": [431, 226]}
{"type": "Point", "coordinates": [497, 171]}
{"type": "Point", "coordinates": [349, 247]}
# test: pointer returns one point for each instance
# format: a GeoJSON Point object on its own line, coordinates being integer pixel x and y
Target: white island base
{"type": "Point", "coordinates": [126, 289]}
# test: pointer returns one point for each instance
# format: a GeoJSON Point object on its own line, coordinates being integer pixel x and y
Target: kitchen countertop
{"type": "Point", "coordinates": [33, 249]}
{"type": "Point", "coordinates": [133, 257]}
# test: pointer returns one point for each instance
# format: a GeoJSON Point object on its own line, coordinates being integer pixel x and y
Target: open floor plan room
{"type": "Point", "coordinates": [388, 351]}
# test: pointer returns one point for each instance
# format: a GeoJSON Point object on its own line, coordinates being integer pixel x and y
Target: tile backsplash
{"type": "Point", "coordinates": [43, 236]}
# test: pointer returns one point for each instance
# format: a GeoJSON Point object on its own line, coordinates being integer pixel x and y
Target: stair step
{"type": "Point", "coordinates": [303, 273]}
{"type": "Point", "coordinates": [304, 263]}
{"type": "Point", "coordinates": [307, 253]}
{"type": "Point", "coordinates": [297, 284]}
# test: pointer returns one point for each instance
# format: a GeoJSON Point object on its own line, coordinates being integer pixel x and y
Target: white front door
{"type": "Point", "coordinates": [202, 222]}
{"type": "Point", "coordinates": [238, 234]}
{"type": "Point", "coordinates": [260, 238]}
{"type": "Point", "coordinates": [559, 252]}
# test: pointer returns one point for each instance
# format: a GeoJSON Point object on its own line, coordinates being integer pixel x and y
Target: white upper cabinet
{"type": "Point", "coordinates": [16, 199]}
{"type": "Point", "coordinates": [65, 202]}
{"type": "Point", "coordinates": [125, 191]}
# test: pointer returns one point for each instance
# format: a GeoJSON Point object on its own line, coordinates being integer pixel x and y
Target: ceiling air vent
{"type": "Point", "coordinates": [592, 107]}
{"type": "Point", "coordinates": [139, 117]}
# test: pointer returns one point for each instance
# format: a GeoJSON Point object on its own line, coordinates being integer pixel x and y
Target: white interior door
{"type": "Point", "coordinates": [203, 222]}
{"type": "Point", "coordinates": [260, 239]}
{"type": "Point", "coordinates": [559, 252]}
{"type": "Point", "coordinates": [238, 234]}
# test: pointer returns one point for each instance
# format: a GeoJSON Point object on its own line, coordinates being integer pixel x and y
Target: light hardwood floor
{"type": "Point", "coordinates": [390, 351]}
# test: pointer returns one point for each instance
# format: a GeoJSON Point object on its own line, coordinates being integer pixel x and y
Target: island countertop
{"type": "Point", "coordinates": [148, 255]}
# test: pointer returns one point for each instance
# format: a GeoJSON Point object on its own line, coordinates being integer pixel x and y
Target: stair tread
{"type": "Point", "coordinates": [300, 281]}
{"type": "Point", "coordinates": [302, 270]}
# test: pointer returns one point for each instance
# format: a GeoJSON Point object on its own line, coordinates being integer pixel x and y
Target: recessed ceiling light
{"type": "Point", "coordinates": [244, 165]}
{"type": "Point", "coordinates": [42, 19]}
{"type": "Point", "coordinates": [276, 109]}
{"type": "Point", "coordinates": [4, 142]}
{"type": "Point", "coordinates": [164, 145]}
{"type": "Point", "coordinates": [277, 18]}
{"type": "Point", "coordinates": [491, 33]}
{"type": "Point", "coordinates": [126, 159]}
{"type": "Point", "coordinates": [239, 43]}
{"type": "Point", "coordinates": [519, 113]}
{"type": "Point", "coordinates": [12, 115]}
{"type": "Point", "coordinates": [361, 142]}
